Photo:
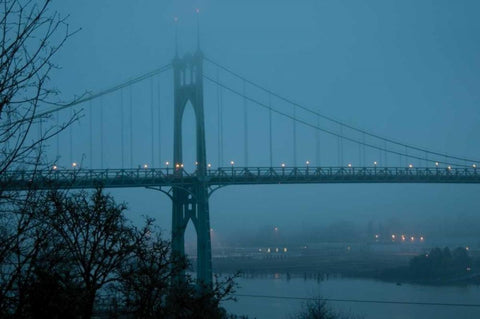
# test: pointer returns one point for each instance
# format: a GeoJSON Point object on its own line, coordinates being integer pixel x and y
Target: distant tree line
{"type": "Point", "coordinates": [436, 267]}
{"type": "Point", "coordinates": [440, 264]}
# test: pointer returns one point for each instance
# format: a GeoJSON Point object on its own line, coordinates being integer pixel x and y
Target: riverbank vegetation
{"type": "Point", "coordinates": [438, 266]}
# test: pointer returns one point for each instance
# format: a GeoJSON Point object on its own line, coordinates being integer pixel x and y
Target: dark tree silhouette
{"type": "Point", "coordinates": [30, 36]}
{"type": "Point", "coordinates": [94, 239]}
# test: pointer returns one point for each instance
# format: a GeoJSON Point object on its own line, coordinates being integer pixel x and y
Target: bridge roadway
{"type": "Point", "coordinates": [168, 177]}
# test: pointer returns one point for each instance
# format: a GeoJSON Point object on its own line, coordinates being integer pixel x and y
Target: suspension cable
{"type": "Point", "coordinates": [334, 120]}
{"type": "Point", "coordinates": [320, 128]}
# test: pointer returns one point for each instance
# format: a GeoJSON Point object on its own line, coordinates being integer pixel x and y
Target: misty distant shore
{"type": "Point", "coordinates": [322, 265]}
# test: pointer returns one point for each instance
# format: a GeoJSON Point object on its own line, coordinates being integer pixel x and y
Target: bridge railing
{"type": "Point", "coordinates": [87, 178]}
{"type": "Point", "coordinates": [347, 174]}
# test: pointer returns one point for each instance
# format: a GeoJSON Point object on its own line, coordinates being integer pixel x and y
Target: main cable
{"type": "Point", "coordinates": [117, 87]}
{"type": "Point", "coordinates": [328, 118]}
{"type": "Point", "coordinates": [317, 127]}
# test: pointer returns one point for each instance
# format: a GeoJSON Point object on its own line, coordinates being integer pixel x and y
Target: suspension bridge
{"type": "Point", "coordinates": [130, 136]}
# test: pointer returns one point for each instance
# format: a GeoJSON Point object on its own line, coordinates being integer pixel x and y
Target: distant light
{"type": "Point", "coordinates": [375, 163]}
{"type": "Point", "coordinates": [421, 238]}
{"type": "Point", "coordinates": [275, 229]}
{"type": "Point", "coordinates": [74, 164]}
{"type": "Point", "coordinates": [393, 237]}
{"type": "Point", "coordinates": [307, 162]}
{"type": "Point", "coordinates": [196, 163]}
{"type": "Point", "coordinates": [209, 165]}
{"type": "Point", "coordinates": [436, 163]}
{"type": "Point", "coordinates": [468, 268]}
{"type": "Point", "coordinates": [449, 167]}
{"type": "Point", "coordinates": [403, 237]}
{"type": "Point", "coordinates": [474, 165]}
{"type": "Point", "coordinates": [285, 249]}
{"type": "Point", "coordinates": [232, 163]}
{"type": "Point", "coordinates": [467, 248]}
{"type": "Point", "coordinates": [54, 167]}
{"type": "Point", "coordinates": [145, 166]}
{"type": "Point", "coordinates": [177, 165]}
{"type": "Point", "coordinates": [410, 165]}
{"type": "Point", "coordinates": [349, 165]}
{"type": "Point", "coordinates": [276, 250]}
{"type": "Point", "coordinates": [181, 165]}
{"type": "Point", "coordinates": [376, 236]}
{"type": "Point", "coordinates": [167, 163]}
{"type": "Point", "coordinates": [283, 164]}
{"type": "Point", "coordinates": [268, 250]}
{"type": "Point", "coordinates": [412, 238]}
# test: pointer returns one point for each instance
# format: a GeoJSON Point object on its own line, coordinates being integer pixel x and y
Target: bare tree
{"type": "Point", "coordinates": [145, 278]}
{"type": "Point", "coordinates": [30, 36]}
{"type": "Point", "coordinates": [93, 238]}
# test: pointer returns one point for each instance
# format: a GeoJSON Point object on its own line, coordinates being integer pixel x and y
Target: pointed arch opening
{"type": "Point", "coordinates": [189, 138]}
{"type": "Point", "coordinates": [190, 240]}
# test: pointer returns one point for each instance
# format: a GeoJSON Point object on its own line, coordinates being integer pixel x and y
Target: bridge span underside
{"type": "Point", "coordinates": [164, 177]}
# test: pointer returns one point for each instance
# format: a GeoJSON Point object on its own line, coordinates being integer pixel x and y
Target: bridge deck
{"type": "Point", "coordinates": [116, 178]}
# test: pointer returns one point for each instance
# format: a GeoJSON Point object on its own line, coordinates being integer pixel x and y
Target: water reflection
{"type": "Point", "coordinates": [285, 285]}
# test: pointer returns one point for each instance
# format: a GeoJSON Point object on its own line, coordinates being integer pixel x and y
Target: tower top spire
{"type": "Point", "coordinates": [175, 19]}
{"type": "Point", "coordinates": [198, 28]}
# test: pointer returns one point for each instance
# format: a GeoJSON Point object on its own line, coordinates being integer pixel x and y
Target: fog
{"type": "Point", "coordinates": [404, 70]}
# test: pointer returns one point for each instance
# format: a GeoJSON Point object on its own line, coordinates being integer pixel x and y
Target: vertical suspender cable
{"type": "Point", "coordinates": [91, 133]}
{"type": "Point", "coordinates": [220, 121]}
{"type": "Point", "coordinates": [359, 154]}
{"type": "Point", "coordinates": [363, 147]}
{"type": "Point", "coordinates": [122, 129]}
{"type": "Point", "coordinates": [159, 101]}
{"type": "Point", "coordinates": [101, 132]}
{"type": "Point", "coordinates": [341, 145]}
{"type": "Point", "coordinates": [245, 124]}
{"type": "Point", "coordinates": [386, 153]}
{"type": "Point", "coordinates": [406, 156]}
{"type": "Point", "coordinates": [317, 144]}
{"type": "Point", "coordinates": [71, 141]}
{"type": "Point", "coordinates": [151, 121]}
{"type": "Point", "coordinates": [40, 133]}
{"type": "Point", "coordinates": [57, 137]}
{"type": "Point", "coordinates": [270, 128]}
{"type": "Point", "coordinates": [131, 126]}
{"type": "Point", "coordinates": [380, 156]}
{"type": "Point", "coordinates": [294, 135]}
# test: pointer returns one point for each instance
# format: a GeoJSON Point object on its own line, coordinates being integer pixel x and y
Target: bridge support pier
{"type": "Point", "coordinates": [190, 200]}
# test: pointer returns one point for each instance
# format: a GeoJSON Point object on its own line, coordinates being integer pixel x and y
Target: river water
{"type": "Point", "coordinates": [356, 289]}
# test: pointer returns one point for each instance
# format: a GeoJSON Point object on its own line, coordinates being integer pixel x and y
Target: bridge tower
{"type": "Point", "coordinates": [190, 202]}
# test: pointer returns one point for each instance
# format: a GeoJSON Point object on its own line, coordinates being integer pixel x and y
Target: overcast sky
{"type": "Point", "coordinates": [408, 70]}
